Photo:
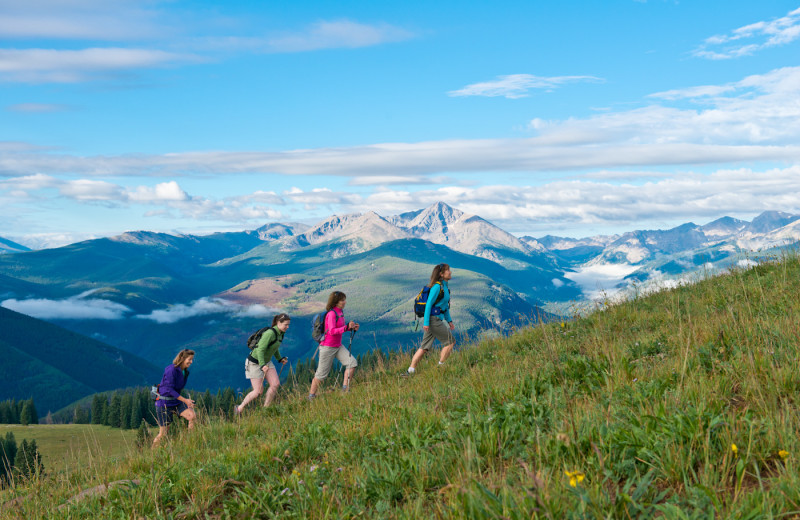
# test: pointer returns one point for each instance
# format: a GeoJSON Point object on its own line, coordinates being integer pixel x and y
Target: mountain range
{"type": "Point", "coordinates": [152, 294]}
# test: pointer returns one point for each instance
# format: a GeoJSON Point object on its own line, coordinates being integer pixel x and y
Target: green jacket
{"type": "Point", "coordinates": [262, 353]}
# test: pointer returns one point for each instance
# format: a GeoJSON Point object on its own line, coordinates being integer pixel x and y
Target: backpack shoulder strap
{"type": "Point", "coordinates": [275, 339]}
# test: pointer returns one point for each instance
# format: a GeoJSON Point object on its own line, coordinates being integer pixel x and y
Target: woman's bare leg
{"type": "Point", "coordinates": [258, 386]}
{"type": "Point", "coordinates": [274, 383]}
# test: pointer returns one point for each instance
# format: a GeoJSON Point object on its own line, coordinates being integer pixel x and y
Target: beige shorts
{"type": "Point", "coordinates": [253, 370]}
{"type": "Point", "coordinates": [438, 329]}
{"type": "Point", "coordinates": [326, 355]}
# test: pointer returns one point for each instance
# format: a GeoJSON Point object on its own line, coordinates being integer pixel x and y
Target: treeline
{"type": "Point", "coordinates": [127, 408]}
{"type": "Point", "coordinates": [18, 462]}
{"type": "Point", "coordinates": [18, 412]}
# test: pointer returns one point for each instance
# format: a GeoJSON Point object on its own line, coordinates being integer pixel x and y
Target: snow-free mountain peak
{"type": "Point", "coordinates": [9, 246]}
{"type": "Point", "coordinates": [770, 221]}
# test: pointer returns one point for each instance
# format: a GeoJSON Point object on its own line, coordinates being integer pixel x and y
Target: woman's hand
{"type": "Point", "coordinates": [452, 326]}
{"type": "Point", "coordinates": [188, 402]}
{"type": "Point", "coordinates": [284, 360]}
{"type": "Point", "coordinates": [425, 328]}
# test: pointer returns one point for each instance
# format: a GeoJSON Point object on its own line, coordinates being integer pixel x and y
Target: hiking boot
{"type": "Point", "coordinates": [345, 388]}
{"type": "Point", "coordinates": [311, 397]}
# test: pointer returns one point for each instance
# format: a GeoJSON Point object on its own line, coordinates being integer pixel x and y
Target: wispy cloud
{"type": "Point", "coordinates": [80, 307]}
{"type": "Point", "coordinates": [108, 20]}
{"type": "Point", "coordinates": [37, 108]}
{"type": "Point", "coordinates": [70, 66]}
{"type": "Point", "coordinates": [518, 85]}
{"type": "Point", "coordinates": [335, 35]}
{"type": "Point", "coordinates": [206, 307]}
{"type": "Point", "coordinates": [751, 38]}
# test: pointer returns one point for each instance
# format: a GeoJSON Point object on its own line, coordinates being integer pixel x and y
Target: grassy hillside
{"type": "Point", "coordinates": [680, 404]}
{"type": "Point", "coordinates": [56, 366]}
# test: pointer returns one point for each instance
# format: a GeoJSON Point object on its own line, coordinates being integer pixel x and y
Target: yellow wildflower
{"type": "Point", "coordinates": [783, 454]}
{"type": "Point", "coordinates": [575, 477]}
{"type": "Point", "coordinates": [734, 449]}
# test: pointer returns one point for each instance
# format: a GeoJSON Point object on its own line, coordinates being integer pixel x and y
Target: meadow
{"type": "Point", "coordinates": [678, 404]}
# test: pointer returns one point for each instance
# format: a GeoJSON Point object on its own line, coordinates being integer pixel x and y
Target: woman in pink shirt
{"type": "Point", "coordinates": [331, 345]}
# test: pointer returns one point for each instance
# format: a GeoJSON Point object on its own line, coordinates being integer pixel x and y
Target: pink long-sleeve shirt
{"type": "Point", "coordinates": [335, 327]}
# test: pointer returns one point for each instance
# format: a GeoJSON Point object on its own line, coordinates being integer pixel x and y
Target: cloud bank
{"type": "Point", "coordinates": [82, 307]}
{"type": "Point", "coordinates": [206, 307]}
{"type": "Point", "coordinates": [79, 307]}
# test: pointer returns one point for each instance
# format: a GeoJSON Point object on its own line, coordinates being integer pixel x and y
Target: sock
{"type": "Point", "coordinates": [441, 363]}
{"type": "Point", "coordinates": [411, 370]}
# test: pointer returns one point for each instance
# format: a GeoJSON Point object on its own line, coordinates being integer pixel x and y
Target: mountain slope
{"type": "Point", "coordinates": [56, 366]}
{"type": "Point", "coordinates": [7, 246]}
{"type": "Point", "coordinates": [606, 416]}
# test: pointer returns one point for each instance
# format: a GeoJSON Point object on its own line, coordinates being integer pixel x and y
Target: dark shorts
{"type": "Point", "coordinates": [166, 414]}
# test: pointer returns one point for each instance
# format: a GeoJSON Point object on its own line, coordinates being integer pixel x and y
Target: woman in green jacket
{"type": "Point", "coordinates": [259, 366]}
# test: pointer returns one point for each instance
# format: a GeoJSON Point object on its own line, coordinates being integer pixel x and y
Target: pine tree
{"type": "Point", "coordinates": [148, 410]}
{"type": "Point", "coordinates": [143, 439]}
{"type": "Point", "coordinates": [26, 415]}
{"type": "Point", "coordinates": [34, 413]}
{"type": "Point", "coordinates": [13, 410]}
{"type": "Point", "coordinates": [228, 402]}
{"type": "Point", "coordinates": [97, 409]}
{"type": "Point", "coordinates": [29, 461]}
{"type": "Point", "coordinates": [135, 416]}
{"type": "Point", "coordinates": [5, 414]}
{"type": "Point", "coordinates": [125, 412]}
{"type": "Point", "coordinates": [80, 415]}
{"type": "Point", "coordinates": [8, 453]}
{"type": "Point", "coordinates": [113, 415]}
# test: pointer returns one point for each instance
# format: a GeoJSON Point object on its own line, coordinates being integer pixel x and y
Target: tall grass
{"type": "Point", "coordinates": [679, 404]}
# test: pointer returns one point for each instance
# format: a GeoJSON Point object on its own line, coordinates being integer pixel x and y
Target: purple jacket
{"type": "Point", "coordinates": [172, 383]}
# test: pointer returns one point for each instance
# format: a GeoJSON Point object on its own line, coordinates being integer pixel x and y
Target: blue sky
{"type": "Point", "coordinates": [564, 118]}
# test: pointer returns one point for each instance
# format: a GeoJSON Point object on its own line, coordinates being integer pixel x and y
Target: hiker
{"type": "Point", "coordinates": [436, 314]}
{"type": "Point", "coordinates": [259, 366]}
{"type": "Point", "coordinates": [170, 402]}
{"type": "Point", "coordinates": [331, 345]}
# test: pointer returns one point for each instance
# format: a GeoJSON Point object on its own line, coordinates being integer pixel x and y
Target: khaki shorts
{"type": "Point", "coordinates": [253, 370]}
{"type": "Point", "coordinates": [438, 329]}
{"type": "Point", "coordinates": [326, 355]}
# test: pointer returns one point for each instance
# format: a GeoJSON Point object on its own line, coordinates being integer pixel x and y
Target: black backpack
{"type": "Point", "coordinates": [318, 326]}
{"type": "Point", "coordinates": [252, 341]}
{"type": "Point", "coordinates": [421, 301]}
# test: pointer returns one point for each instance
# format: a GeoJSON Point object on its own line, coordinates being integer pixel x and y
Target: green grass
{"type": "Point", "coordinates": [644, 398]}
{"type": "Point", "coordinates": [62, 445]}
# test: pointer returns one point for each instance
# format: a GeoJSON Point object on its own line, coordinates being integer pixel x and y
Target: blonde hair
{"type": "Point", "coordinates": [182, 356]}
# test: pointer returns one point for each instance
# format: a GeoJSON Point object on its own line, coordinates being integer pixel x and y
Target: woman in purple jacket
{"type": "Point", "coordinates": [170, 402]}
